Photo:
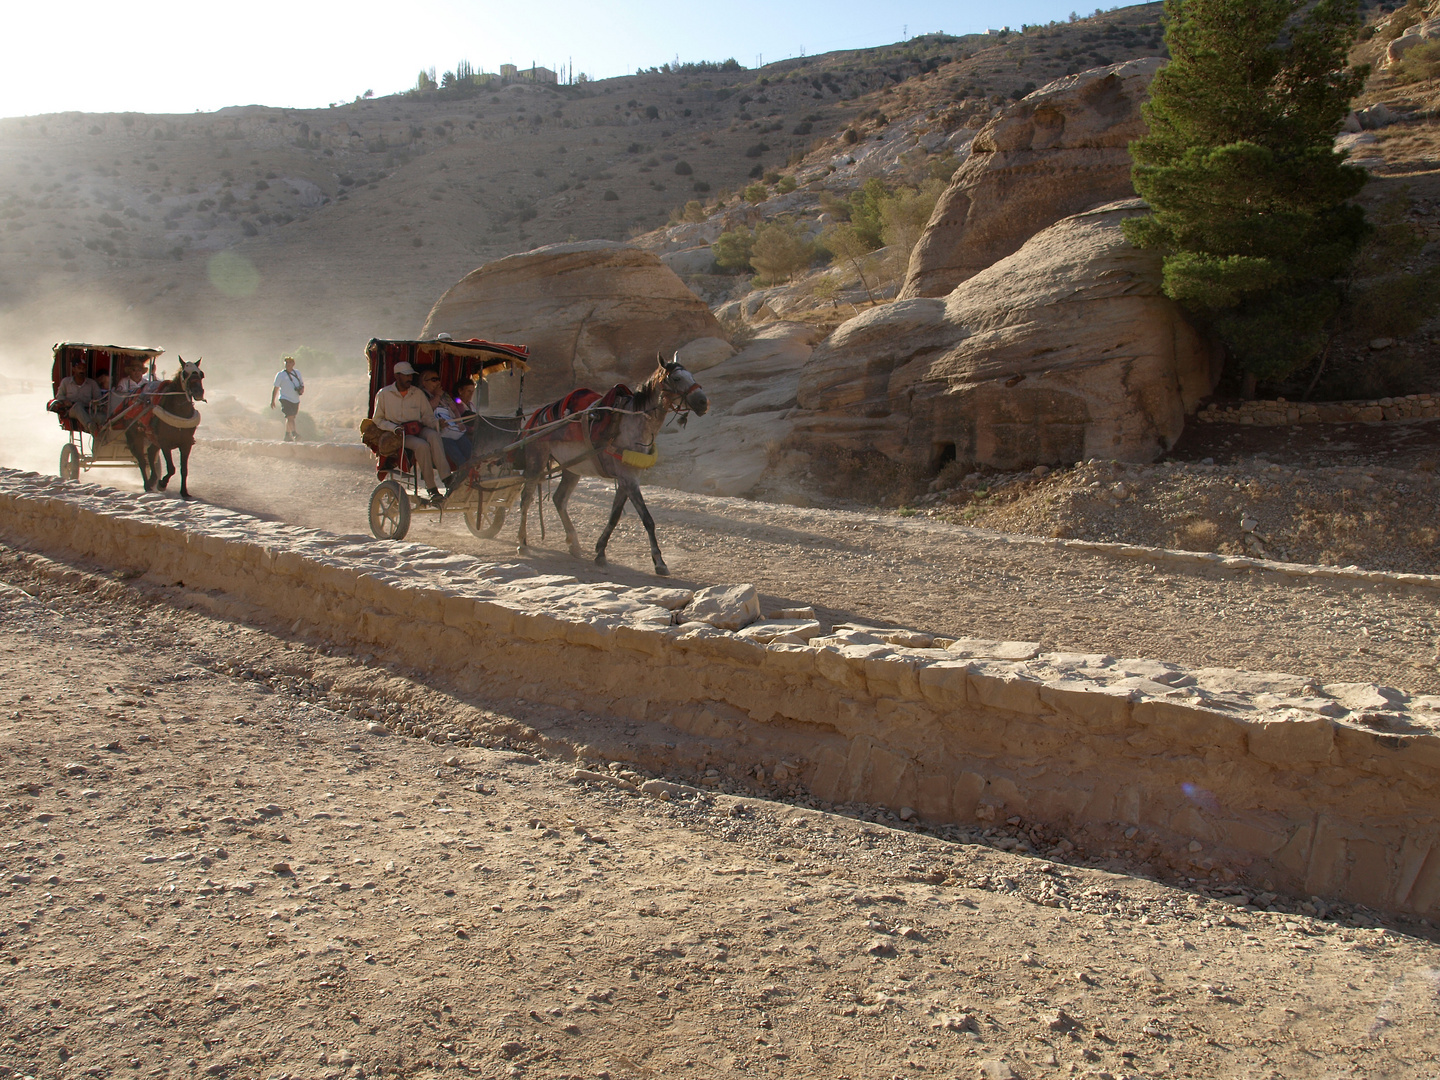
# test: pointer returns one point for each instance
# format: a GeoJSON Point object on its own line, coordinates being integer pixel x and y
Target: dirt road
{"type": "Point", "coordinates": [928, 575]}
{"type": "Point", "coordinates": [212, 868]}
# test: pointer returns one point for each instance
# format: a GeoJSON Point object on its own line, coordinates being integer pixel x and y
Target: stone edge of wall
{"type": "Point", "coordinates": [1321, 807]}
{"type": "Point", "coordinates": [1281, 412]}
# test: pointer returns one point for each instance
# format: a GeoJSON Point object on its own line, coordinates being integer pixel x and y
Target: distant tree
{"type": "Point", "coordinates": [447, 80]}
{"type": "Point", "coordinates": [1249, 199]}
{"type": "Point", "coordinates": [866, 214]}
{"type": "Point", "coordinates": [425, 80]}
{"type": "Point", "coordinates": [464, 72]}
{"type": "Point", "coordinates": [846, 242]}
{"type": "Point", "coordinates": [732, 250]}
{"type": "Point", "coordinates": [780, 250]}
{"type": "Point", "coordinates": [1421, 63]}
{"type": "Point", "coordinates": [756, 193]}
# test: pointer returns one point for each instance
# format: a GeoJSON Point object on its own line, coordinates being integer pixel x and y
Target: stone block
{"type": "Point", "coordinates": [592, 633]}
{"type": "Point", "coordinates": [944, 683]}
{"type": "Point", "coordinates": [965, 795]}
{"type": "Point", "coordinates": [1011, 692]}
{"type": "Point", "coordinates": [837, 669]}
{"type": "Point", "coordinates": [1189, 726]}
{"type": "Point", "coordinates": [1325, 872]}
{"type": "Point", "coordinates": [649, 642]}
{"type": "Point", "coordinates": [1370, 879]}
{"type": "Point", "coordinates": [789, 660]}
{"type": "Point", "coordinates": [827, 781]}
{"type": "Point", "coordinates": [1290, 742]}
{"type": "Point", "coordinates": [890, 779]}
{"type": "Point", "coordinates": [728, 607]}
{"type": "Point", "coordinates": [890, 676]}
{"type": "Point", "coordinates": [1099, 708]}
{"type": "Point", "coordinates": [932, 795]}
{"type": "Point", "coordinates": [1252, 838]}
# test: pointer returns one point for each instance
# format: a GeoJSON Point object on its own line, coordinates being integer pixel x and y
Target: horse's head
{"type": "Point", "coordinates": [191, 379]}
{"type": "Point", "coordinates": [681, 389]}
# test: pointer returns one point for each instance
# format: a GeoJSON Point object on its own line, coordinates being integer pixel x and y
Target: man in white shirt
{"type": "Point", "coordinates": [403, 406]}
{"type": "Point", "coordinates": [288, 388]}
{"type": "Point", "coordinates": [80, 392]}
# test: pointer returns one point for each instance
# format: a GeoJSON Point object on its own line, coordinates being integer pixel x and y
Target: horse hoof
{"type": "Point", "coordinates": [523, 551]}
{"type": "Point", "coordinates": [662, 570]}
{"type": "Point", "coordinates": [577, 551]}
{"type": "Point", "coordinates": [600, 558]}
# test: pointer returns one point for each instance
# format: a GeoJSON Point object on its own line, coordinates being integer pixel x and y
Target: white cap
{"type": "Point", "coordinates": [403, 368]}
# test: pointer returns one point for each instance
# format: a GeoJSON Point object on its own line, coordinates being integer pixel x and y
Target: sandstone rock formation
{"type": "Point", "coordinates": [593, 314]}
{"type": "Point", "coordinates": [729, 450]}
{"type": "Point", "coordinates": [1065, 350]}
{"type": "Point", "coordinates": [1427, 30]}
{"type": "Point", "coordinates": [1061, 150]}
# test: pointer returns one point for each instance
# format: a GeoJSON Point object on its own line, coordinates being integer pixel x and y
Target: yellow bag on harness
{"type": "Point", "coordinates": [637, 460]}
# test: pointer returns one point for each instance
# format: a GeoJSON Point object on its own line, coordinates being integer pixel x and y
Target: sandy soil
{"type": "Point", "coordinates": [213, 867]}
{"type": "Point", "coordinates": [934, 576]}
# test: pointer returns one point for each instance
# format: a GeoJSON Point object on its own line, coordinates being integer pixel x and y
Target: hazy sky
{"type": "Point", "coordinates": [172, 56]}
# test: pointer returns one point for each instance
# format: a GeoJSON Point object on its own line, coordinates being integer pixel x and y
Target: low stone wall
{"type": "Point", "coordinates": [1281, 412]}
{"type": "Point", "coordinates": [1331, 790]}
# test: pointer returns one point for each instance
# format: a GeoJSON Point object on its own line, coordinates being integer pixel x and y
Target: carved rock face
{"type": "Point", "coordinates": [593, 313]}
{"type": "Point", "coordinates": [1061, 150]}
{"type": "Point", "coordinates": [1065, 350]}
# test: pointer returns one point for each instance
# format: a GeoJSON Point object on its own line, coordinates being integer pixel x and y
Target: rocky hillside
{"type": "Point", "coordinates": [259, 228]}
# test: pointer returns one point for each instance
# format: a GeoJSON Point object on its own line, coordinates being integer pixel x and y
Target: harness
{"type": "Point", "coordinates": [595, 417]}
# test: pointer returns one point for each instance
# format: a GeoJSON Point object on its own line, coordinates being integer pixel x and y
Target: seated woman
{"type": "Point", "coordinates": [446, 406]}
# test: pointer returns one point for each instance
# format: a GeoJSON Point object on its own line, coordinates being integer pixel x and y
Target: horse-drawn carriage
{"type": "Point", "coordinates": [105, 435]}
{"type": "Point", "coordinates": [585, 433]}
{"type": "Point", "coordinates": [486, 476]}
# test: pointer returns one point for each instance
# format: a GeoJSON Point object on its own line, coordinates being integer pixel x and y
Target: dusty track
{"type": "Point", "coordinates": [931, 576]}
{"type": "Point", "coordinates": [212, 868]}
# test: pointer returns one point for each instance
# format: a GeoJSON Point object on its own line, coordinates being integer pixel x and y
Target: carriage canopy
{"type": "Point", "coordinates": [99, 359]}
{"type": "Point", "coordinates": [456, 361]}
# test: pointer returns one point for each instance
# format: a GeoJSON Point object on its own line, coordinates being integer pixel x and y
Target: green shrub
{"type": "Point", "coordinates": [756, 193]}
{"type": "Point", "coordinates": [786, 184]}
{"type": "Point", "coordinates": [780, 250]}
{"type": "Point", "coordinates": [732, 250]}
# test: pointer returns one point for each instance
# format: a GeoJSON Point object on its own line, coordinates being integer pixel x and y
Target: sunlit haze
{"type": "Point", "coordinates": [174, 57]}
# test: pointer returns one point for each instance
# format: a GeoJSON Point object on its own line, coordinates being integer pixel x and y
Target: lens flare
{"type": "Point", "coordinates": [233, 274]}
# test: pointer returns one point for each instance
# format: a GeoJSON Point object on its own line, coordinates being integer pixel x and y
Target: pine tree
{"type": "Point", "coordinates": [1249, 199]}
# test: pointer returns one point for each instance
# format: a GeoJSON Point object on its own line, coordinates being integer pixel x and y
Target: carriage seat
{"type": "Point", "coordinates": [58, 406]}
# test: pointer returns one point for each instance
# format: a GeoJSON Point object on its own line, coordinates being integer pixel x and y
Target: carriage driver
{"type": "Point", "coordinates": [80, 392]}
{"type": "Point", "coordinates": [403, 406]}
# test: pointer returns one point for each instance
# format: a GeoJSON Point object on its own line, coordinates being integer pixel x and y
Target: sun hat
{"type": "Point", "coordinates": [403, 368]}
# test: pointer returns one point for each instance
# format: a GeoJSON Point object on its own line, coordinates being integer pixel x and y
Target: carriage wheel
{"type": "Point", "coordinates": [389, 511]}
{"type": "Point", "coordinates": [487, 532]}
{"type": "Point", "coordinates": [69, 462]}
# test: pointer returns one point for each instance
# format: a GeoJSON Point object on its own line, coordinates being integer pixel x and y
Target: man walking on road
{"type": "Point", "coordinates": [288, 388]}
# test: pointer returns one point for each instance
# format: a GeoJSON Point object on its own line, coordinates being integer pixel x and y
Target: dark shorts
{"type": "Point", "coordinates": [289, 408]}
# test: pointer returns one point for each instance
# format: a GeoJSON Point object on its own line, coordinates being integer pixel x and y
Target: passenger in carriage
{"type": "Point", "coordinates": [79, 393]}
{"type": "Point", "coordinates": [133, 382]}
{"type": "Point", "coordinates": [402, 406]}
{"type": "Point", "coordinates": [447, 411]}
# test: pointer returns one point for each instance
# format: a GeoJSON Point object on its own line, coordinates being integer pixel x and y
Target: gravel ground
{"type": "Point", "coordinates": [1375, 517]}
{"type": "Point", "coordinates": [213, 866]}
{"type": "Point", "coordinates": [930, 575]}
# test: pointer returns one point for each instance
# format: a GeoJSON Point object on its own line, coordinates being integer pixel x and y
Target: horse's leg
{"type": "Point", "coordinates": [616, 509]}
{"type": "Point", "coordinates": [527, 494]}
{"type": "Point", "coordinates": [638, 501]}
{"type": "Point", "coordinates": [169, 470]}
{"type": "Point", "coordinates": [152, 455]}
{"type": "Point", "coordinates": [568, 480]}
{"type": "Point", "coordinates": [136, 444]}
{"type": "Point", "coordinates": [184, 467]}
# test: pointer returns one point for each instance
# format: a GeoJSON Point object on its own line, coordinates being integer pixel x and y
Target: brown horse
{"type": "Point", "coordinates": [170, 425]}
{"type": "Point", "coordinates": [596, 441]}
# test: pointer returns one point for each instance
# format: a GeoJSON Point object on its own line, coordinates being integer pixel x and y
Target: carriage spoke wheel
{"type": "Point", "coordinates": [389, 511]}
{"type": "Point", "coordinates": [69, 462]}
{"type": "Point", "coordinates": [475, 517]}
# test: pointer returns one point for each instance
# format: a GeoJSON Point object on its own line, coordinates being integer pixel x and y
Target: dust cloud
{"type": "Point", "coordinates": [238, 367]}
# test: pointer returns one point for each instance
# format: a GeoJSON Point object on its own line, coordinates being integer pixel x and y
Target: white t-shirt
{"type": "Point", "coordinates": [290, 384]}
